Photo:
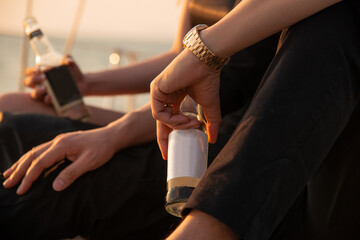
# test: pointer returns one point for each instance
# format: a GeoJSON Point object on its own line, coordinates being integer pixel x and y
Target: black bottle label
{"type": "Point", "coordinates": [36, 33]}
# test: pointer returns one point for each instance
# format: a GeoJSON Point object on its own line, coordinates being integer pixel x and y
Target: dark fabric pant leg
{"type": "Point", "coordinates": [328, 208]}
{"type": "Point", "coordinates": [124, 199]}
{"type": "Point", "coordinates": [302, 106]}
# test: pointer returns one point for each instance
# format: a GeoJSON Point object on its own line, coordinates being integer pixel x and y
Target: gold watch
{"type": "Point", "coordinates": [193, 42]}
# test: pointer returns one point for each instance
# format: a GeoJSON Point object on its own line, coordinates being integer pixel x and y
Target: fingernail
{"type": "Point", "coordinates": [6, 173]}
{"type": "Point", "coordinates": [58, 185]}
{"type": "Point", "coordinates": [19, 191]}
{"type": "Point", "coordinates": [6, 182]}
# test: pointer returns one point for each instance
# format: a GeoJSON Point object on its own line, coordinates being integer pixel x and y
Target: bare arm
{"type": "Point", "coordinates": [254, 20]}
{"type": "Point", "coordinates": [250, 22]}
{"type": "Point", "coordinates": [136, 78]}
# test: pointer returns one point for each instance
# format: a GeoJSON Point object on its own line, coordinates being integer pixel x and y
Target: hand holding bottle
{"type": "Point", "coordinates": [59, 81]}
{"type": "Point", "coordinates": [185, 75]}
{"type": "Point", "coordinates": [36, 77]}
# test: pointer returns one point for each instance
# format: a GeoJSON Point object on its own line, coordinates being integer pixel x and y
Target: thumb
{"type": "Point", "coordinates": [67, 176]}
{"type": "Point", "coordinates": [213, 117]}
{"type": "Point", "coordinates": [68, 60]}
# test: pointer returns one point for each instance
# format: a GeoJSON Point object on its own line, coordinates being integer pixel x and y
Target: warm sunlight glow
{"type": "Point", "coordinates": [114, 58]}
{"type": "Point", "coordinates": [113, 19]}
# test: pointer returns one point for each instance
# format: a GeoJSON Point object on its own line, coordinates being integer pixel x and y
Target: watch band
{"type": "Point", "coordinates": [193, 42]}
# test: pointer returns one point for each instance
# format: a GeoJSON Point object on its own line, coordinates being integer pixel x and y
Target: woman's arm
{"type": "Point", "coordinates": [253, 20]}
{"type": "Point", "coordinates": [136, 78]}
{"type": "Point", "coordinates": [249, 22]}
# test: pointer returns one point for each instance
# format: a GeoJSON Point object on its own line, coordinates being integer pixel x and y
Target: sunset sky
{"type": "Point", "coordinates": [153, 20]}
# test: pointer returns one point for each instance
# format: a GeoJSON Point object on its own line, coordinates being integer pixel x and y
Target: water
{"type": "Point", "coordinates": [90, 55]}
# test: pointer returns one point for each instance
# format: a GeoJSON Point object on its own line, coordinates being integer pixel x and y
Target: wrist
{"type": "Point", "coordinates": [210, 39]}
{"type": "Point", "coordinates": [194, 42]}
{"type": "Point", "coordinates": [85, 84]}
{"type": "Point", "coordinates": [133, 128]}
{"type": "Point", "coordinates": [119, 133]}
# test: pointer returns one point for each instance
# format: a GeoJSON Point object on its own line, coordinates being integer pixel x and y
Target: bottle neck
{"type": "Point", "coordinates": [39, 43]}
{"type": "Point", "coordinates": [45, 54]}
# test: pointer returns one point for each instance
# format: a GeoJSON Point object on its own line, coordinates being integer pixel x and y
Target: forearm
{"type": "Point", "coordinates": [133, 128]}
{"type": "Point", "coordinates": [130, 79]}
{"type": "Point", "coordinates": [254, 20]}
{"type": "Point", "coordinates": [136, 78]}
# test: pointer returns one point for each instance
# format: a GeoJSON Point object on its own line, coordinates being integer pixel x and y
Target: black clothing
{"type": "Point", "coordinates": [293, 125]}
{"type": "Point", "coordinates": [265, 182]}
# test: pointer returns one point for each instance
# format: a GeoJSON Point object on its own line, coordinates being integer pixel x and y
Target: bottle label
{"type": "Point", "coordinates": [36, 33]}
{"type": "Point", "coordinates": [187, 154]}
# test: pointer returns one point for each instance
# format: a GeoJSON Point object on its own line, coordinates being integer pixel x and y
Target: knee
{"type": "Point", "coordinates": [12, 101]}
{"type": "Point", "coordinates": [199, 225]}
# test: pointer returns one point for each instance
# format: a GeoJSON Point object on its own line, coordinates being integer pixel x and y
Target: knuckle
{"type": "Point", "coordinates": [155, 115]}
{"type": "Point", "coordinates": [38, 164]}
{"type": "Point", "coordinates": [152, 84]}
{"type": "Point", "coordinates": [33, 153]}
{"type": "Point", "coordinates": [60, 139]}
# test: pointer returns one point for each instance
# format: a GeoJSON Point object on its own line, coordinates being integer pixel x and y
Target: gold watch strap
{"type": "Point", "coordinates": [193, 42]}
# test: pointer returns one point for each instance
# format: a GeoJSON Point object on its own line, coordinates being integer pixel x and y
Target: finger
{"type": "Point", "coordinates": [68, 60]}
{"type": "Point", "coordinates": [34, 80]}
{"type": "Point", "coordinates": [67, 176]}
{"type": "Point", "coordinates": [31, 71]}
{"type": "Point", "coordinates": [213, 117]}
{"type": "Point", "coordinates": [164, 107]}
{"type": "Point", "coordinates": [166, 114]}
{"type": "Point", "coordinates": [39, 92]}
{"type": "Point", "coordinates": [74, 68]}
{"type": "Point", "coordinates": [163, 132]}
{"type": "Point", "coordinates": [18, 170]}
{"type": "Point", "coordinates": [45, 160]}
{"type": "Point", "coordinates": [47, 99]}
{"type": "Point", "coordinates": [9, 171]}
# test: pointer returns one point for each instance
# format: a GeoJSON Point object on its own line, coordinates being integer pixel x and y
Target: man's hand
{"type": "Point", "coordinates": [35, 79]}
{"type": "Point", "coordinates": [87, 150]}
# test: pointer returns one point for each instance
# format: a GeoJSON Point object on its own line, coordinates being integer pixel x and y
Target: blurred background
{"type": "Point", "coordinates": [99, 32]}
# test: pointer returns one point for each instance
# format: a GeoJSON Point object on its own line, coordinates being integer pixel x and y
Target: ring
{"type": "Point", "coordinates": [168, 105]}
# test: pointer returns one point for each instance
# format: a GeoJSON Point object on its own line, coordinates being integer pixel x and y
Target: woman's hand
{"type": "Point", "coordinates": [186, 75]}
{"type": "Point", "coordinates": [35, 79]}
{"type": "Point", "coordinates": [87, 150]}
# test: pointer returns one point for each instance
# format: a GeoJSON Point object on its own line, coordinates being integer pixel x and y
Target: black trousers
{"type": "Point", "coordinates": [267, 181]}
{"type": "Point", "coordinates": [121, 200]}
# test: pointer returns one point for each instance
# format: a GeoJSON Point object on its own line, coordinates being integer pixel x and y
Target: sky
{"type": "Point", "coordinates": [129, 19]}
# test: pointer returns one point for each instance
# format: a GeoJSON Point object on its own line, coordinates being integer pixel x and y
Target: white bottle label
{"type": "Point", "coordinates": [187, 153]}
